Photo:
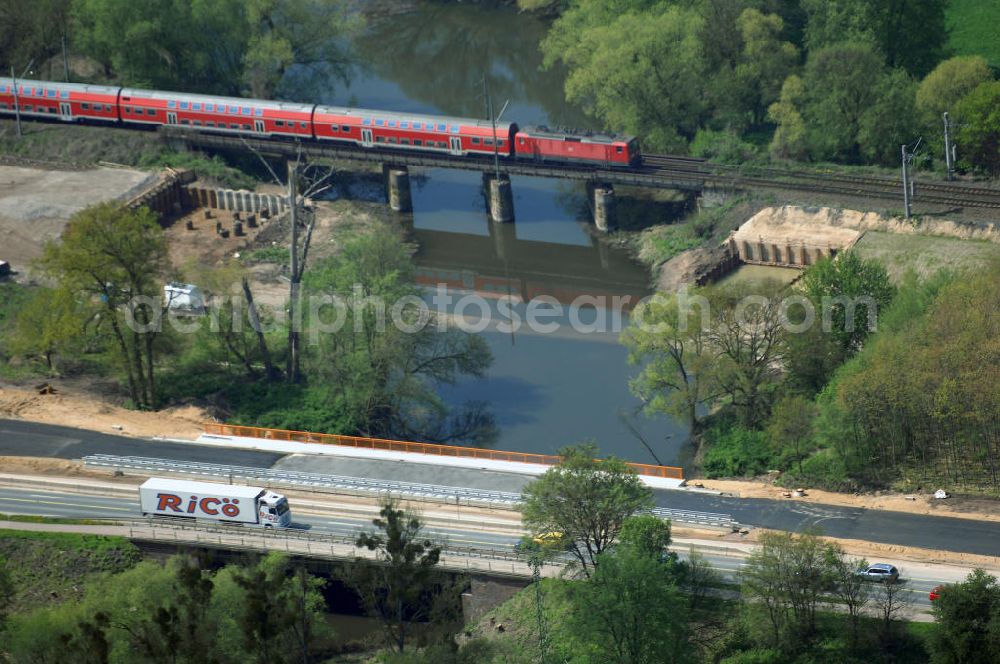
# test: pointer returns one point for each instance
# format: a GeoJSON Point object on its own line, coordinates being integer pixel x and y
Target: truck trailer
{"type": "Point", "coordinates": [229, 503]}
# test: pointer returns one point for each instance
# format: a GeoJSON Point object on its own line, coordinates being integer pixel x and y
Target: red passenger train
{"type": "Point", "coordinates": [72, 102]}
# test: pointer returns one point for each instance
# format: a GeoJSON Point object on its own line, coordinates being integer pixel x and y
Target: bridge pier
{"type": "Point", "coordinates": [500, 197]}
{"type": "Point", "coordinates": [604, 207]}
{"type": "Point", "coordinates": [398, 179]}
{"type": "Point", "coordinates": [503, 236]}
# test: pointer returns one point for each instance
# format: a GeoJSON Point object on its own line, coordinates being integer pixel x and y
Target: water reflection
{"type": "Point", "coordinates": [547, 390]}
{"type": "Point", "coordinates": [433, 59]}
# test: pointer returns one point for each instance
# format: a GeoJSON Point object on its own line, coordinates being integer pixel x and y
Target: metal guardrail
{"type": "Point", "coordinates": [303, 480]}
{"type": "Point", "coordinates": [432, 449]}
{"type": "Point", "coordinates": [504, 561]}
{"type": "Point", "coordinates": [319, 481]}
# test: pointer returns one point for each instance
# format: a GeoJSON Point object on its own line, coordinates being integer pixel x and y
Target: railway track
{"type": "Point", "coordinates": [874, 186]}
{"type": "Point", "coordinates": [656, 170]}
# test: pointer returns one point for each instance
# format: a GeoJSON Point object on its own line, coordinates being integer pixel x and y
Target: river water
{"type": "Point", "coordinates": [547, 389]}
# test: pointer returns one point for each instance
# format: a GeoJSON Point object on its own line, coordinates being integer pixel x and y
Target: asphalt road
{"type": "Point", "coordinates": [21, 438]}
{"type": "Point", "coordinates": [72, 505]}
{"type": "Point", "coordinates": [929, 532]}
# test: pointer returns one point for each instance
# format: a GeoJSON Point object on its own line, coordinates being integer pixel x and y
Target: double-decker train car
{"type": "Point", "coordinates": [216, 114]}
{"type": "Point", "coordinates": [65, 101]}
{"type": "Point", "coordinates": [408, 131]}
{"type": "Point", "coordinates": [544, 144]}
{"type": "Point", "coordinates": [70, 102]}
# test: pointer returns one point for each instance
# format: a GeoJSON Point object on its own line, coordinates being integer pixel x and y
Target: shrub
{"type": "Point", "coordinates": [725, 147]}
{"type": "Point", "coordinates": [735, 451]}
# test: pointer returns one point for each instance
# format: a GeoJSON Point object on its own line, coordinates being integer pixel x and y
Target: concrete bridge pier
{"type": "Point", "coordinates": [504, 236]}
{"type": "Point", "coordinates": [398, 182]}
{"type": "Point", "coordinates": [604, 207]}
{"type": "Point", "coordinates": [500, 197]}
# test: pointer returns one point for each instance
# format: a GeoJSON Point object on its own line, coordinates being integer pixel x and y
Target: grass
{"type": "Point", "coordinates": [32, 518]}
{"type": "Point", "coordinates": [658, 244]}
{"type": "Point", "coordinates": [52, 567]}
{"type": "Point", "coordinates": [81, 146]}
{"type": "Point", "coordinates": [973, 26]}
{"type": "Point", "coordinates": [267, 255]}
{"type": "Point", "coordinates": [925, 254]}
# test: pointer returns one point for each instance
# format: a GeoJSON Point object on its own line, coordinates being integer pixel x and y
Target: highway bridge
{"type": "Point", "coordinates": [327, 529]}
{"type": "Point", "coordinates": [20, 438]}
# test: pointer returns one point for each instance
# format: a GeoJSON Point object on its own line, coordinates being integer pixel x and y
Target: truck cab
{"type": "Point", "coordinates": [273, 512]}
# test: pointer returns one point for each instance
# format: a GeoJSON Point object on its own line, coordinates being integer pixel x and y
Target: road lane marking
{"type": "Point", "coordinates": [55, 502]}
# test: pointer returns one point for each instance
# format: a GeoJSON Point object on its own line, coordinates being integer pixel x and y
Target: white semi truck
{"type": "Point", "coordinates": [248, 505]}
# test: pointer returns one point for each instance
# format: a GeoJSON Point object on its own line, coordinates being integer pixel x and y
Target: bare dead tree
{"type": "Point", "coordinates": [272, 372]}
{"type": "Point", "coordinates": [890, 600]}
{"type": "Point", "coordinates": [297, 253]}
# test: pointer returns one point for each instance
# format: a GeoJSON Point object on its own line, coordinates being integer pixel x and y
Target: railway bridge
{"type": "Point", "coordinates": [678, 173]}
{"type": "Point", "coordinates": [655, 171]}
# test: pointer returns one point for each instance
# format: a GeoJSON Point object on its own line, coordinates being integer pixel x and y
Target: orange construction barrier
{"type": "Point", "coordinates": [671, 472]}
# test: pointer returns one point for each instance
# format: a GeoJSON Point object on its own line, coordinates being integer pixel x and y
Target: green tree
{"type": "Point", "coordinates": [631, 610]}
{"type": "Point", "coordinates": [585, 499]}
{"type": "Point", "coordinates": [889, 601]}
{"type": "Point", "coordinates": [922, 392]}
{"type": "Point", "coordinates": [48, 325]}
{"type": "Point", "coordinates": [7, 591]}
{"type": "Point", "coordinates": [890, 121]}
{"type": "Point", "coordinates": [50, 634]}
{"type": "Point", "coordinates": [791, 425]}
{"type": "Point", "coordinates": [117, 256]}
{"type": "Point", "coordinates": [978, 138]}
{"type": "Point", "coordinates": [789, 140]}
{"type": "Point", "coordinates": [647, 534]}
{"type": "Point", "coordinates": [840, 21]}
{"type": "Point", "coordinates": [842, 85]}
{"type": "Point", "coordinates": [766, 60]}
{"type": "Point", "coordinates": [670, 341]}
{"type": "Point", "coordinates": [307, 33]}
{"type": "Point", "coordinates": [651, 84]}
{"type": "Point", "coordinates": [394, 588]}
{"type": "Point", "coordinates": [784, 580]}
{"type": "Point", "coordinates": [212, 45]}
{"type": "Point", "coordinates": [850, 588]}
{"type": "Point", "coordinates": [748, 336]}
{"type": "Point", "coordinates": [908, 33]}
{"type": "Point", "coordinates": [381, 375]}
{"type": "Point", "coordinates": [813, 357]}
{"type": "Point", "coordinates": [968, 622]}
{"type": "Point", "coordinates": [911, 33]}
{"type": "Point", "coordinates": [846, 295]}
{"type": "Point", "coordinates": [33, 32]}
{"type": "Point", "coordinates": [951, 80]}
{"type": "Point", "coordinates": [281, 610]}
{"type": "Point", "coordinates": [849, 294]}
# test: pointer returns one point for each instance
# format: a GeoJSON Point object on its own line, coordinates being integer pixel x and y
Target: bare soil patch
{"type": "Point", "coordinates": [36, 203]}
{"type": "Point", "coordinates": [87, 412]}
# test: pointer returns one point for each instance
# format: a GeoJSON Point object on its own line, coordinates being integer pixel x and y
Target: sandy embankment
{"type": "Point", "coordinates": [83, 412]}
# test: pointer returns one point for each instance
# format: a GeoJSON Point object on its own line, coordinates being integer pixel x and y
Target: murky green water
{"type": "Point", "coordinates": [547, 389]}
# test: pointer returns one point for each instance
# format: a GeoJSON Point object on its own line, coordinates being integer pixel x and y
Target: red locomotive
{"type": "Point", "coordinates": [71, 102]}
{"type": "Point", "coordinates": [544, 144]}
